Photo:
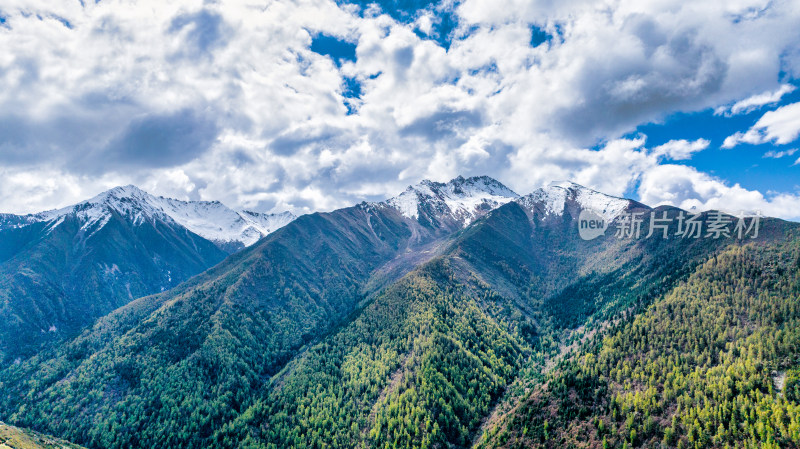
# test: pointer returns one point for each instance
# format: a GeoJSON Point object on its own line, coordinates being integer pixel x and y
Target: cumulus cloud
{"type": "Point", "coordinates": [688, 188]}
{"type": "Point", "coordinates": [202, 31]}
{"type": "Point", "coordinates": [315, 104]}
{"type": "Point", "coordinates": [161, 140]}
{"type": "Point", "coordinates": [680, 149]}
{"type": "Point", "coordinates": [636, 62]}
{"type": "Point", "coordinates": [780, 127]}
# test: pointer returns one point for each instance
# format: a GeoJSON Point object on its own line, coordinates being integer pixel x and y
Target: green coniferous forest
{"type": "Point", "coordinates": [713, 363]}
{"type": "Point", "coordinates": [400, 224]}
{"type": "Point", "coordinates": [336, 332]}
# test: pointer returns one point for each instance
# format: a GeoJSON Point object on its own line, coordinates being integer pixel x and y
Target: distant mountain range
{"type": "Point", "coordinates": [454, 315]}
{"type": "Point", "coordinates": [62, 269]}
{"type": "Point", "coordinates": [211, 220]}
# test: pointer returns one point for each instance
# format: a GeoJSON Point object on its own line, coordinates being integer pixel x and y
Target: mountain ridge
{"type": "Point", "coordinates": [558, 193]}
{"type": "Point", "coordinates": [211, 220]}
{"type": "Point", "coordinates": [460, 200]}
{"type": "Point", "coordinates": [362, 326]}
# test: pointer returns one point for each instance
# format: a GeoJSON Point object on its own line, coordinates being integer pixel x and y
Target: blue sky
{"type": "Point", "coordinates": [317, 104]}
{"type": "Point", "coordinates": [754, 166]}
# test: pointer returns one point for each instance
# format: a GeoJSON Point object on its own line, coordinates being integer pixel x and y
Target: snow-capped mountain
{"type": "Point", "coordinates": [554, 199]}
{"type": "Point", "coordinates": [15, 221]}
{"type": "Point", "coordinates": [462, 199]}
{"type": "Point", "coordinates": [211, 220]}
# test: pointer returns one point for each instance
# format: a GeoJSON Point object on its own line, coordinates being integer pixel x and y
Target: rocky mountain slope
{"type": "Point", "coordinates": [15, 438]}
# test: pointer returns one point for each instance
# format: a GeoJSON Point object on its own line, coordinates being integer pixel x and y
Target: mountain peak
{"type": "Point", "coordinates": [129, 191]}
{"type": "Point", "coordinates": [461, 199]}
{"type": "Point", "coordinates": [553, 199]}
{"type": "Point", "coordinates": [568, 185]}
{"type": "Point", "coordinates": [128, 188]}
{"type": "Point", "coordinates": [211, 220]}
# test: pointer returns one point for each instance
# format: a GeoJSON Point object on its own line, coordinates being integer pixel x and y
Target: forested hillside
{"type": "Point", "coordinates": [714, 363]}
{"type": "Point", "coordinates": [57, 277]}
{"type": "Point", "coordinates": [365, 327]}
{"type": "Point", "coordinates": [170, 369]}
{"type": "Point", "coordinates": [411, 370]}
{"type": "Point", "coordinates": [425, 363]}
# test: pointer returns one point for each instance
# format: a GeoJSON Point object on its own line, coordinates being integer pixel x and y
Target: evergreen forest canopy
{"type": "Point", "coordinates": [362, 328]}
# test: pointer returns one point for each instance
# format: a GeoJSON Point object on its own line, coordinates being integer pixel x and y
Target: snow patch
{"type": "Point", "coordinates": [554, 198]}
{"type": "Point", "coordinates": [209, 219]}
{"type": "Point", "coordinates": [407, 203]}
{"type": "Point", "coordinates": [462, 199]}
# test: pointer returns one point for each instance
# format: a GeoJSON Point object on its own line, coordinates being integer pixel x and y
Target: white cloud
{"type": "Point", "coordinates": [772, 154]}
{"type": "Point", "coordinates": [680, 149]}
{"type": "Point", "coordinates": [27, 190]}
{"type": "Point", "coordinates": [780, 127]}
{"type": "Point", "coordinates": [756, 101]}
{"type": "Point", "coordinates": [282, 137]}
{"type": "Point", "coordinates": [687, 188]}
{"type": "Point", "coordinates": [614, 168]}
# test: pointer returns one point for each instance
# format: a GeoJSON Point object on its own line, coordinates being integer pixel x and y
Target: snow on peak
{"type": "Point", "coordinates": [209, 219]}
{"type": "Point", "coordinates": [554, 198]}
{"type": "Point", "coordinates": [567, 185]}
{"type": "Point", "coordinates": [463, 199]}
{"type": "Point", "coordinates": [216, 222]}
